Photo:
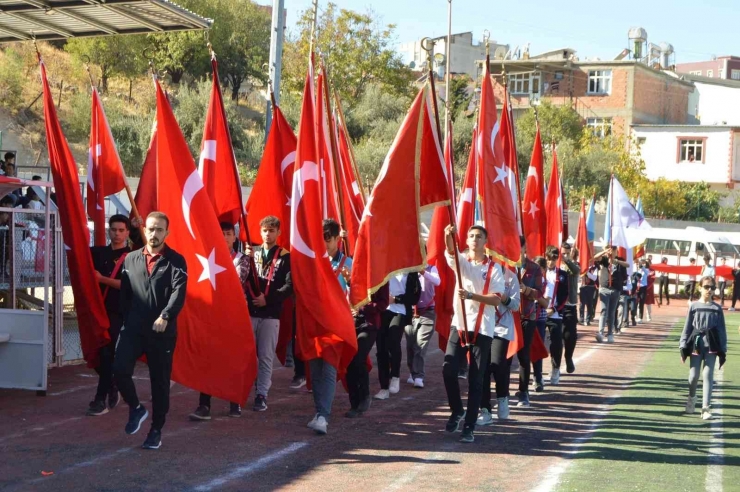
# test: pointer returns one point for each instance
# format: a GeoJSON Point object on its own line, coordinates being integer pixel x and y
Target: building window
{"type": "Point", "coordinates": [695, 72]}
{"type": "Point", "coordinates": [641, 141]}
{"type": "Point", "coordinates": [721, 73]}
{"type": "Point", "coordinates": [524, 83]}
{"type": "Point", "coordinates": [691, 149]}
{"type": "Point", "coordinates": [599, 81]}
{"type": "Point", "coordinates": [710, 73]}
{"type": "Point", "coordinates": [735, 74]}
{"type": "Point", "coordinates": [601, 127]}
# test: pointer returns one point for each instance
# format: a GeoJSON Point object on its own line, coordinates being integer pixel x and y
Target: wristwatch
{"type": "Point", "coordinates": [469, 295]}
{"type": "Point", "coordinates": [165, 316]}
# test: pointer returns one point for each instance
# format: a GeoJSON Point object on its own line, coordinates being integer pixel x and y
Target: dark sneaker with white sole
{"type": "Point", "coordinates": [153, 439]}
{"type": "Point", "coordinates": [97, 408]}
{"type": "Point", "coordinates": [467, 434]}
{"type": "Point", "coordinates": [260, 404]}
{"type": "Point", "coordinates": [136, 416]}
{"type": "Point", "coordinates": [455, 422]}
{"type": "Point", "coordinates": [235, 410]}
{"type": "Point", "coordinates": [201, 413]}
{"type": "Point", "coordinates": [114, 398]}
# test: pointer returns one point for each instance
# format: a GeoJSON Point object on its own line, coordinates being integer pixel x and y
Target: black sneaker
{"type": "Point", "coordinates": [298, 382]}
{"type": "Point", "coordinates": [260, 404]}
{"type": "Point", "coordinates": [539, 386]}
{"type": "Point", "coordinates": [467, 435]}
{"type": "Point", "coordinates": [453, 425]}
{"type": "Point", "coordinates": [201, 413]}
{"type": "Point", "coordinates": [353, 413]}
{"type": "Point", "coordinates": [153, 439]}
{"type": "Point", "coordinates": [570, 367]}
{"type": "Point", "coordinates": [365, 405]}
{"type": "Point", "coordinates": [235, 410]}
{"type": "Point", "coordinates": [114, 398]}
{"type": "Point", "coordinates": [462, 374]}
{"type": "Point", "coordinates": [97, 408]}
{"type": "Point", "coordinates": [136, 416]}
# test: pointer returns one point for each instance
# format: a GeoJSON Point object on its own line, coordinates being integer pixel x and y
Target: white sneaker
{"type": "Point", "coordinates": [395, 386]}
{"type": "Point", "coordinates": [313, 421]}
{"type": "Point", "coordinates": [610, 339]}
{"type": "Point", "coordinates": [382, 395]}
{"type": "Point", "coordinates": [484, 417]}
{"type": "Point", "coordinates": [706, 414]}
{"type": "Point", "coordinates": [649, 319]}
{"type": "Point", "coordinates": [418, 383]}
{"type": "Point", "coordinates": [731, 309]}
{"type": "Point", "coordinates": [691, 404]}
{"type": "Point", "coordinates": [502, 410]}
{"type": "Point", "coordinates": [639, 321]}
{"type": "Point", "coordinates": [554, 377]}
{"type": "Point", "coordinates": [600, 338]}
{"type": "Point", "coordinates": [319, 424]}
{"type": "Point", "coordinates": [410, 380]}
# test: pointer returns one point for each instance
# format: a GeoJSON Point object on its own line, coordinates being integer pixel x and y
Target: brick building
{"type": "Point", "coordinates": [610, 96]}
{"type": "Point", "coordinates": [724, 67]}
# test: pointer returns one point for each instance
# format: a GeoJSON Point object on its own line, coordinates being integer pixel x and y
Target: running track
{"type": "Point", "coordinates": [399, 444]}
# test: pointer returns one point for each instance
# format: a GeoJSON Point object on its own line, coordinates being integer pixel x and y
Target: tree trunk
{"type": "Point", "coordinates": [176, 75]}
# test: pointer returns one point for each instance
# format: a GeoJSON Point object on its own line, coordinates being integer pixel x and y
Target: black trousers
{"type": "Point", "coordinates": [537, 366]}
{"type": "Point", "coordinates": [586, 296]}
{"type": "Point", "coordinates": [735, 293]}
{"type": "Point", "coordinates": [299, 367]}
{"type": "Point", "coordinates": [389, 346]}
{"type": "Point", "coordinates": [528, 328]}
{"type": "Point", "coordinates": [722, 286]}
{"type": "Point", "coordinates": [663, 287]}
{"type": "Point", "coordinates": [641, 294]}
{"type": "Point", "coordinates": [480, 355]}
{"type": "Point", "coordinates": [570, 333]}
{"type": "Point", "coordinates": [106, 384]}
{"type": "Point", "coordinates": [358, 377]}
{"type": "Point", "coordinates": [159, 351]}
{"type": "Point", "coordinates": [555, 327]}
{"type": "Point", "coordinates": [499, 369]}
{"type": "Point", "coordinates": [690, 289]}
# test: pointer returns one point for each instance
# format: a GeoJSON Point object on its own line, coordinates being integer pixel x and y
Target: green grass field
{"type": "Point", "coordinates": [647, 443]}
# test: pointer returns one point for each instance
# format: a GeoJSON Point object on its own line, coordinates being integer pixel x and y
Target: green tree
{"type": "Point", "coordinates": [114, 55]}
{"type": "Point", "coordinates": [663, 198]}
{"type": "Point", "coordinates": [358, 49]}
{"type": "Point", "coordinates": [702, 203]}
{"type": "Point", "coordinates": [460, 94]}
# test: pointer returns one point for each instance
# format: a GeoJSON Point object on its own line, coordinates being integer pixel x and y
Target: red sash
{"type": "Point", "coordinates": [116, 269]}
{"type": "Point", "coordinates": [481, 307]}
{"type": "Point", "coordinates": [270, 274]}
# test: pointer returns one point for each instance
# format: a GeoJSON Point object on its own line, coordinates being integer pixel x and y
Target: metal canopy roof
{"type": "Point", "coordinates": [22, 20]}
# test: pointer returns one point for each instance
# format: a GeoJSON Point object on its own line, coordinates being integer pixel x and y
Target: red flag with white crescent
{"type": "Point", "coordinates": [146, 192]}
{"type": "Point", "coordinates": [215, 343]}
{"type": "Point", "coordinates": [554, 207]}
{"type": "Point", "coordinates": [533, 204]}
{"type": "Point", "coordinates": [354, 202]}
{"type": "Point", "coordinates": [582, 244]}
{"type": "Point", "coordinates": [105, 175]}
{"type": "Point", "coordinates": [466, 202]}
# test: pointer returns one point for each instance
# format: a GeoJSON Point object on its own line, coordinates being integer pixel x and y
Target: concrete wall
{"type": "Point", "coordinates": [714, 104]}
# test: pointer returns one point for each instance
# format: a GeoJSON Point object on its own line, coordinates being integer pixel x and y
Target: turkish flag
{"type": "Point", "coordinates": [533, 215]}
{"type": "Point", "coordinates": [327, 163]}
{"type": "Point", "coordinates": [92, 319]}
{"type": "Point", "coordinates": [354, 201]}
{"type": "Point", "coordinates": [217, 164]}
{"type": "Point", "coordinates": [325, 329]}
{"type": "Point", "coordinates": [494, 192]}
{"type": "Point", "coordinates": [466, 203]}
{"type": "Point", "coordinates": [215, 349]}
{"type": "Point", "coordinates": [582, 244]}
{"type": "Point", "coordinates": [444, 295]}
{"type": "Point", "coordinates": [554, 207]}
{"type": "Point", "coordinates": [271, 192]}
{"type": "Point", "coordinates": [413, 176]}
{"type": "Point", "coordinates": [105, 175]}
{"type": "Point", "coordinates": [508, 143]}
{"type": "Point", "coordinates": [146, 192]}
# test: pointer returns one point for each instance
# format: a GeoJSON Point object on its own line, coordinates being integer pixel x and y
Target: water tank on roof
{"type": "Point", "coordinates": [666, 50]}
{"type": "Point", "coordinates": [638, 38]}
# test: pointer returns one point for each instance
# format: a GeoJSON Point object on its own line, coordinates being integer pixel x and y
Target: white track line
{"type": "Point", "coordinates": [249, 468]}
{"type": "Point", "coordinates": [713, 482]}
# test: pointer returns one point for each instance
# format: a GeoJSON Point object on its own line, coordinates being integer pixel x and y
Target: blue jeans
{"type": "Point", "coordinates": [323, 385]}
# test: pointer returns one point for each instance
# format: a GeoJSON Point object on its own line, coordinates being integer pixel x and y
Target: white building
{"type": "Point", "coordinates": [464, 53]}
{"type": "Point", "coordinates": [691, 153]}
{"type": "Point", "coordinates": [714, 101]}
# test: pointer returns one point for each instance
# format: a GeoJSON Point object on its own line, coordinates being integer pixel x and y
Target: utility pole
{"type": "Point", "coordinates": [276, 57]}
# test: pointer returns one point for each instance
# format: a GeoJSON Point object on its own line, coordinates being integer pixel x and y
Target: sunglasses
{"type": "Point", "coordinates": [708, 287]}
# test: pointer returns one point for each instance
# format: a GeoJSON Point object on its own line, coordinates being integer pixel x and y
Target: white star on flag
{"type": "Point", "coordinates": [533, 208]}
{"type": "Point", "coordinates": [210, 268]}
{"type": "Point", "coordinates": [501, 174]}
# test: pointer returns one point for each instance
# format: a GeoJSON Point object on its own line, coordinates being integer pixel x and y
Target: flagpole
{"type": "Point", "coordinates": [131, 200]}
{"type": "Point", "coordinates": [429, 50]}
{"type": "Point", "coordinates": [448, 75]}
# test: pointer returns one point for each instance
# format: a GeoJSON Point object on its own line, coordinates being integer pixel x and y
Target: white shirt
{"type": "Point", "coordinates": [550, 278]}
{"type": "Point", "coordinates": [505, 324]}
{"type": "Point", "coordinates": [708, 271]}
{"type": "Point", "coordinates": [474, 280]}
{"type": "Point", "coordinates": [397, 287]}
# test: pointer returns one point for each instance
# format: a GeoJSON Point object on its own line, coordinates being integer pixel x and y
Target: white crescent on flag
{"type": "Point", "coordinates": [192, 186]}
{"type": "Point", "coordinates": [308, 172]}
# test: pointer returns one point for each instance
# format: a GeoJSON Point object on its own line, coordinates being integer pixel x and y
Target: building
{"type": "Point", "coordinates": [464, 53]}
{"type": "Point", "coordinates": [691, 153]}
{"type": "Point", "coordinates": [714, 101]}
{"type": "Point", "coordinates": [723, 67]}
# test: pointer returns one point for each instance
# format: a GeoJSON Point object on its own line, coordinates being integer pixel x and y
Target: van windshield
{"type": "Point", "coordinates": [724, 248]}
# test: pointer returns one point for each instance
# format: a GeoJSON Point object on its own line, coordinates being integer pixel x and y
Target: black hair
{"type": "Point", "coordinates": [522, 241]}
{"type": "Point", "coordinates": [479, 228]}
{"type": "Point", "coordinates": [161, 216]}
{"type": "Point", "coordinates": [552, 253]}
{"type": "Point", "coordinates": [227, 226]}
{"type": "Point", "coordinates": [331, 228]}
{"type": "Point", "coordinates": [541, 261]}
{"type": "Point", "coordinates": [121, 219]}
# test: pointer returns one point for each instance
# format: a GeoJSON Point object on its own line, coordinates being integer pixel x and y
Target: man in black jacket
{"type": "Point", "coordinates": [153, 288]}
{"type": "Point", "coordinates": [273, 275]}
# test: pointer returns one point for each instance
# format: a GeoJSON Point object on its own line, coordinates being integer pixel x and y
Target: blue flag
{"type": "Point", "coordinates": [590, 221]}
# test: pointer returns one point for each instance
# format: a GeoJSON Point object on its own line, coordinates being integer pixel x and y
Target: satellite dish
{"type": "Point", "coordinates": [439, 58]}
{"type": "Point", "coordinates": [412, 65]}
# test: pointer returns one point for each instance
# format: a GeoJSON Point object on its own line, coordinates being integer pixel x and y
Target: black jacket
{"type": "Point", "coordinates": [145, 297]}
{"type": "Point", "coordinates": [281, 286]}
{"type": "Point", "coordinates": [411, 296]}
{"type": "Point", "coordinates": [561, 290]}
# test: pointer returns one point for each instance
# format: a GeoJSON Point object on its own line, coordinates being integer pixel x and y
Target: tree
{"type": "Point", "coordinates": [663, 198]}
{"type": "Point", "coordinates": [358, 51]}
{"type": "Point", "coordinates": [460, 94]}
{"type": "Point", "coordinates": [114, 55]}
{"type": "Point", "coordinates": [702, 203]}
{"type": "Point", "coordinates": [179, 53]}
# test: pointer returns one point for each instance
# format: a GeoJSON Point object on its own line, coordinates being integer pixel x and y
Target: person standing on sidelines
{"type": "Point", "coordinates": [703, 341]}
{"type": "Point", "coordinates": [642, 290]}
{"type": "Point", "coordinates": [531, 287]}
{"type": "Point", "coordinates": [499, 365]}
{"type": "Point", "coordinates": [241, 263]}
{"type": "Point", "coordinates": [273, 276]}
{"type": "Point", "coordinates": [108, 262]}
{"type": "Point", "coordinates": [570, 311]}
{"type": "Point", "coordinates": [691, 284]}
{"type": "Point", "coordinates": [153, 287]}
{"type": "Point", "coordinates": [735, 285]}
{"type": "Point", "coordinates": [587, 293]}
{"type": "Point", "coordinates": [650, 291]}
{"type": "Point", "coordinates": [612, 276]}
{"type": "Point", "coordinates": [722, 282]}
{"type": "Point", "coordinates": [420, 331]}
{"type": "Point", "coordinates": [663, 285]}
{"type": "Point", "coordinates": [482, 284]}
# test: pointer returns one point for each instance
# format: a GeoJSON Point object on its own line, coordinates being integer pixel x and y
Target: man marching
{"type": "Point", "coordinates": [108, 262]}
{"type": "Point", "coordinates": [153, 287]}
{"type": "Point", "coordinates": [482, 282]}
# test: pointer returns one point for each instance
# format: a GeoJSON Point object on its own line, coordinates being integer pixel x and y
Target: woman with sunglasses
{"type": "Point", "coordinates": [704, 340]}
